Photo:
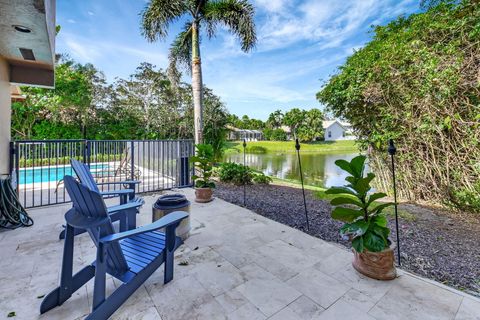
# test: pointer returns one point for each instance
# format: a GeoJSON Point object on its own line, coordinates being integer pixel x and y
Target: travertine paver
{"type": "Point", "coordinates": [239, 266]}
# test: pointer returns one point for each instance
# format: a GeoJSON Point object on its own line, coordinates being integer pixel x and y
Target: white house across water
{"type": "Point", "coordinates": [335, 130]}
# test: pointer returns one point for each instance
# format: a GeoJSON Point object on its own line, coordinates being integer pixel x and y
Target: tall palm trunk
{"type": "Point", "coordinates": [197, 85]}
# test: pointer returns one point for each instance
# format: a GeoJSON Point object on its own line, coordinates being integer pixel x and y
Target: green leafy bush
{"type": "Point", "coordinates": [235, 173]}
{"type": "Point", "coordinates": [203, 162]}
{"type": "Point", "coordinates": [365, 224]}
{"type": "Point", "coordinates": [274, 134]}
{"type": "Point", "coordinates": [256, 149]}
{"type": "Point", "coordinates": [239, 174]}
{"type": "Point", "coordinates": [261, 178]}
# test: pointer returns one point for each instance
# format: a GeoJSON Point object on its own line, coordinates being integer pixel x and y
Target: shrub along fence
{"type": "Point", "coordinates": [38, 166]}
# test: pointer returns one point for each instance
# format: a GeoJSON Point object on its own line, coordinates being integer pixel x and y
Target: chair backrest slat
{"type": "Point", "coordinates": [84, 175]}
{"type": "Point", "coordinates": [90, 204]}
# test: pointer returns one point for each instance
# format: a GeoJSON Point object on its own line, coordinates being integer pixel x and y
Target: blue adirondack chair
{"type": "Point", "coordinates": [130, 256]}
{"type": "Point", "coordinates": [125, 212]}
{"type": "Point", "coordinates": [83, 173]}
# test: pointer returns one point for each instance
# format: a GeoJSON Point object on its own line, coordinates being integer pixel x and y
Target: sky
{"type": "Point", "coordinates": [301, 43]}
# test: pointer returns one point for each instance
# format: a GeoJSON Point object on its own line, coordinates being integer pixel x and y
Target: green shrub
{"type": "Point", "coordinates": [278, 135]}
{"type": "Point", "coordinates": [256, 149]}
{"type": "Point", "coordinates": [467, 200]}
{"type": "Point", "coordinates": [235, 173]}
{"type": "Point", "coordinates": [239, 174]}
{"type": "Point", "coordinates": [261, 178]}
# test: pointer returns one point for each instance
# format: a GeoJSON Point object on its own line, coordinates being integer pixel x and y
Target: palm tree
{"type": "Point", "coordinates": [236, 15]}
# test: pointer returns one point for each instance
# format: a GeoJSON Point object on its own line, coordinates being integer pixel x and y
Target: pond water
{"type": "Point", "coordinates": [319, 169]}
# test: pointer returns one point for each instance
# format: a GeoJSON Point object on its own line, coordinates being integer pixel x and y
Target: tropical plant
{"type": "Point", "coordinates": [236, 15]}
{"type": "Point", "coordinates": [239, 174]}
{"type": "Point", "coordinates": [203, 163]}
{"type": "Point", "coordinates": [216, 119]}
{"type": "Point", "coordinates": [261, 178]}
{"type": "Point", "coordinates": [365, 224]}
{"type": "Point", "coordinates": [275, 120]}
{"type": "Point", "coordinates": [294, 119]}
{"type": "Point", "coordinates": [235, 173]}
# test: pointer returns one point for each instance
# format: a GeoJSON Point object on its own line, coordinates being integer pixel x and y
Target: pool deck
{"type": "Point", "coordinates": [235, 265]}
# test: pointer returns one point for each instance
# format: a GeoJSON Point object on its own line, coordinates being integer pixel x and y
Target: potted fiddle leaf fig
{"type": "Point", "coordinates": [203, 163]}
{"type": "Point", "coordinates": [365, 223]}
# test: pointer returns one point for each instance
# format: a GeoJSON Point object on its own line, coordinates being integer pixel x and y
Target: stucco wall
{"type": "Point", "coordinates": [5, 118]}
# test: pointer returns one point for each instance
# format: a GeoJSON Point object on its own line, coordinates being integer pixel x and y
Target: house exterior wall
{"type": "Point", "coordinates": [5, 118]}
{"type": "Point", "coordinates": [335, 132]}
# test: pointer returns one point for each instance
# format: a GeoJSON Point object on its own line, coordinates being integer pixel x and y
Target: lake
{"type": "Point", "coordinates": [319, 169]}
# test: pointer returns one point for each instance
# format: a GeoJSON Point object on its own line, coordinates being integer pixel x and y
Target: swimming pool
{"type": "Point", "coordinates": [51, 174]}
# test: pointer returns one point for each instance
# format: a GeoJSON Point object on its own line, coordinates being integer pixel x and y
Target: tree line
{"type": "Point", "coordinates": [147, 105]}
{"type": "Point", "coordinates": [307, 125]}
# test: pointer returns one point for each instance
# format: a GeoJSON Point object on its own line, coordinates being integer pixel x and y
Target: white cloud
{"type": "Point", "coordinates": [323, 21]}
{"type": "Point", "coordinates": [89, 50]}
{"type": "Point", "coordinates": [90, 13]}
{"type": "Point", "coordinates": [273, 5]}
{"type": "Point", "coordinates": [71, 21]}
{"type": "Point", "coordinates": [81, 51]}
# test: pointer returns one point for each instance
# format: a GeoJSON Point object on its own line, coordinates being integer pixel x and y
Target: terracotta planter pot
{"type": "Point", "coordinates": [376, 265]}
{"type": "Point", "coordinates": [203, 195]}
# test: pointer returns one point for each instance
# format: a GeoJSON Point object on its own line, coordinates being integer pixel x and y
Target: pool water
{"type": "Point", "coordinates": [51, 174]}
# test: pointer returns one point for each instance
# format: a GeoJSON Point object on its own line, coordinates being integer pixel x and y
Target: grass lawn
{"type": "Point", "coordinates": [289, 146]}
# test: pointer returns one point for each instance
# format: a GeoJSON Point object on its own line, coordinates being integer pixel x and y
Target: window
{"type": "Point", "coordinates": [329, 134]}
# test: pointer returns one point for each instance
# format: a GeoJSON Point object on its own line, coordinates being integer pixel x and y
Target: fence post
{"type": "Point", "coordinates": [86, 152]}
{"type": "Point", "coordinates": [132, 160]}
{"type": "Point", "coordinates": [14, 165]}
{"type": "Point", "coordinates": [184, 168]}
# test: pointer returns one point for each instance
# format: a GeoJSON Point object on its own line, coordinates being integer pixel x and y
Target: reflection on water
{"type": "Point", "coordinates": [318, 169]}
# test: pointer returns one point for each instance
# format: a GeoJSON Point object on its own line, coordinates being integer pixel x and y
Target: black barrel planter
{"type": "Point", "coordinates": [170, 203]}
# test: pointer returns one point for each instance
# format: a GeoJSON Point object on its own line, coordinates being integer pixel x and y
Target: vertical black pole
{"type": "Point", "coordinates": [392, 150]}
{"type": "Point", "coordinates": [297, 147]}
{"type": "Point", "coordinates": [245, 165]}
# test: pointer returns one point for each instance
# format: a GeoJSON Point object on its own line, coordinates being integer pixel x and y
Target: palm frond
{"type": "Point", "coordinates": [158, 15]}
{"type": "Point", "coordinates": [181, 50]}
{"type": "Point", "coordinates": [237, 15]}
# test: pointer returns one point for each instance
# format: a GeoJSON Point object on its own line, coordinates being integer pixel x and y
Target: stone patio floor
{"type": "Point", "coordinates": [239, 266]}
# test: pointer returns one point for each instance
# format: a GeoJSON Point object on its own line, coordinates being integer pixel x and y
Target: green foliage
{"type": "Point", "coordinates": [146, 106]}
{"type": "Point", "coordinates": [307, 125]}
{"type": "Point", "coordinates": [365, 223]}
{"type": "Point", "coordinates": [275, 120]}
{"type": "Point", "coordinates": [203, 163]}
{"type": "Point", "coordinates": [417, 82]}
{"type": "Point", "coordinates": [215, 121]}
{"type": "Point", "coordinates": [239, 174]}
{"type": "Point", "coordinates": [274, 134]}
{"type": "Point", "coordinates": [256, 149]}
{"type": "Point", "coordinates": [235, 173]}
{"type": "Point", "coordinates": [261, 178]}
{"type": "Point", "coordinates": [246, 123]}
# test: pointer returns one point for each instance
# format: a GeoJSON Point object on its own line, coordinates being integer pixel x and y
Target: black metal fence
{"type": "Point", "coordinates": [39, 166]}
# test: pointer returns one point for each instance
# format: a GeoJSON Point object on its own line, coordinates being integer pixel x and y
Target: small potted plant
{"type": "Point", "coordinates": [203, 162]}
{"type": "Point", "coordinates": [365, 224]}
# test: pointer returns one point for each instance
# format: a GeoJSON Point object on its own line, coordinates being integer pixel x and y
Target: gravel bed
{"type": "Point", "coordinates": [438, 245]}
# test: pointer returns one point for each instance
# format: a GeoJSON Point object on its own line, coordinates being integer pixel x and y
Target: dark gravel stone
{"type": "Point", "coordinates": [435, 244]}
